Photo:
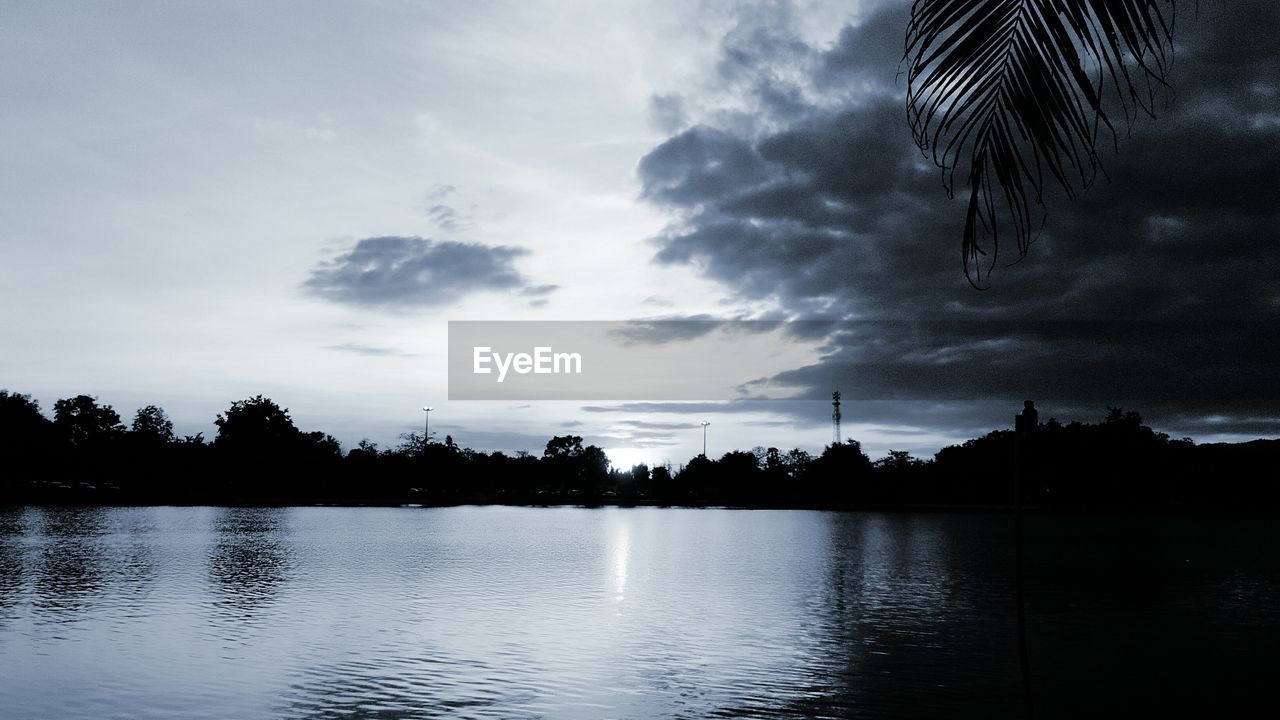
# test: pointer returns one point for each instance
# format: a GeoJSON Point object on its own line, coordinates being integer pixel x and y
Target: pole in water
{"type": "Point", "coordinates": [1024, 424]}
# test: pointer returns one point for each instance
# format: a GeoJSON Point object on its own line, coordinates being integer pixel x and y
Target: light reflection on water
{"type": "Point", "coordinates": [572, 613]}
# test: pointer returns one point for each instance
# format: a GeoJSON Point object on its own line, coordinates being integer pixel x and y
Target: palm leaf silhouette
{"type": "Point", "coordinates": [1015, 94]}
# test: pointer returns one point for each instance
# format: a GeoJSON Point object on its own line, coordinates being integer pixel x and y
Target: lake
{"type": "Point", "coordinates": [495, 612]}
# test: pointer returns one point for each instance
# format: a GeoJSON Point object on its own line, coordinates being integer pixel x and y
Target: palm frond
{"type": "Point", "coordinates": [1015, 94]}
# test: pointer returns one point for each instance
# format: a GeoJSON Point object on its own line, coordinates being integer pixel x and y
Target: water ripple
{"type": "Point", "coordinates": [571, 613]}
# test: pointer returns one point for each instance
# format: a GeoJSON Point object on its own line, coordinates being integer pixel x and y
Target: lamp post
{"type": "Point", "coordinates": [426, 427]}
{"type": "Point", "coordinates": [705, 423]}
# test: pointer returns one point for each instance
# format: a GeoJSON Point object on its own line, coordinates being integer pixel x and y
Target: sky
{"type": "Point", "coordinates": [203, 202]}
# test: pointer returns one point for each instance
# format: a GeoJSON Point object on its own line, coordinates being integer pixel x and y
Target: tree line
{"type": "Point", "coordinates": [86, 453]}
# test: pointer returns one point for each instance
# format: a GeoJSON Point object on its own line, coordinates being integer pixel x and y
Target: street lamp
{"type": "Point", "coordinates": [426, 427]}
{"type": "Point", "coordinates": [705, 423]}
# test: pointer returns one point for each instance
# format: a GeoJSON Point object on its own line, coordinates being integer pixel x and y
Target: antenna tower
{"type": "Point", "coordinates": [835, 417]}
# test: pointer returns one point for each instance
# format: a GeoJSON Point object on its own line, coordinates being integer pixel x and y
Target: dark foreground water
{"type": "Point", "coordinates": [645, 613]}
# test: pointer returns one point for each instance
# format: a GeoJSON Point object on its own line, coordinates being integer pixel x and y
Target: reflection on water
{"type": "Point", "coordinates": [1148, 612]}
{"type": "Point", "coordinates": [11, 561]}
{"type": "Point", "coordinates": [646, 613]}
{"type": "Point", "coordinates": [890, 636]}
{"type": "Point", "coordinates": [69, 566]}
{"type": "Point", "coordinates": [249, 561]}
{"type": "Point", "coordinates": [620, 555]}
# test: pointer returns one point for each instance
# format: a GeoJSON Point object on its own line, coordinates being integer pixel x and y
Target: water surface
{"type": "Point", "coordinates": [629, 613]}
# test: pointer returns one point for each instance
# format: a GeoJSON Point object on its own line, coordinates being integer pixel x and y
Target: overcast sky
{"type": "Point", "coordinates": [207, 201]}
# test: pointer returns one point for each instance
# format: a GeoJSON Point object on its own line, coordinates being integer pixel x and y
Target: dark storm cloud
{"type": "Point", "coordinates": [856, 61]}
{"type": "Point", "coordinates": [414, 272]}
{"type": "Point", "coordinates": [699, 165]}
{"type": "Point", "coordinates": [1156, 290]}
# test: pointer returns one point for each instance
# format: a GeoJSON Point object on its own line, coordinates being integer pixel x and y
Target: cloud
{"type": "Point", "coordinates": [666, 330]}
{"type": "Point", "coordinates": [539, 294]}
{"type": "Point", "coordinates": [539, 290]}
{"type": "Point", "coordinates": [369, 350]}
{"type": "Point", "coordinates": [649, 425]}
{"type": "Point", "coordinates": [643, 434]}
{"type": "Point", "coordinates": [448, 219]}
{"type": "Point", "coordinates": [1154, 290]}
{"type": "Point", "coordinates": [666, 112]}
{"type": "Point", "coordinates": [686, 328]}
{"type": "Point", "coordinates": [699, 165]}
{"type": "Point", "coordinates": [687, 408]}
{"type": "Point", "coordinates": [407, 272]}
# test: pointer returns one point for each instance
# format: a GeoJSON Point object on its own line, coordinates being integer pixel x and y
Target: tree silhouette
{"type": "Point", "coordinates": [21, 423]}
{"type": "Point", "coordinates": [151, 422]}
{"type": "Point", "coordinates": [83, 422]}
{"type": "Point", "coordinates": [575, 468]}
{"type": "Point", "coordinates": [256, 425]}
{"type": "Point", "coordinates": [25, 438]}
{"type": "Point", "coordinates": [1015, 95]}
{"type": "Point", "coordinates": [260, 457]}
{"type": "Point", "coordinates": [563, 446]}
{"type": "Point", "coordinates": [259, 450]}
